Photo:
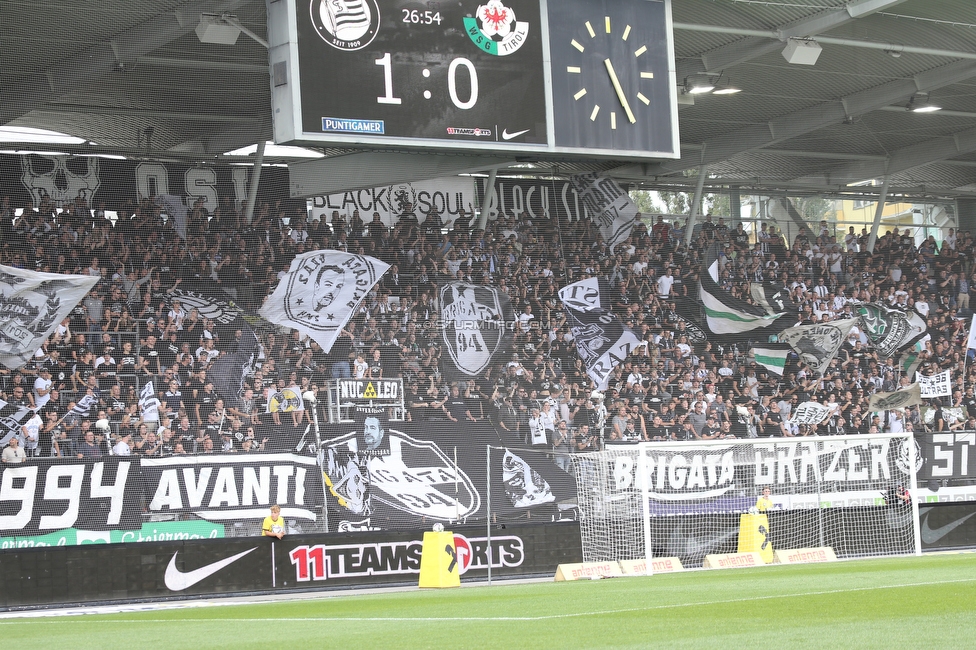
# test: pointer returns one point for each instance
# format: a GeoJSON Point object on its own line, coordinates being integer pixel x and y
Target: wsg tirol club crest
{"type": "Point", "coordinates": [495, 29]}
{"type": "Point", "coordinates": [345, 24]}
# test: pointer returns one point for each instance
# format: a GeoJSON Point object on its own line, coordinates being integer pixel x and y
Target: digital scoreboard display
{"type": "Point", "coordinates": [591, 77]}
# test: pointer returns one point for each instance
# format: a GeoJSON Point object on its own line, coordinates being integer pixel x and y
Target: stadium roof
{"type": "Point", "coordinates": [133, 78]}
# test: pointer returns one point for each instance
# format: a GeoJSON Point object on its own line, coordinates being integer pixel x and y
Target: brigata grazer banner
{"type": "Point", "coordinates": [726, 478]}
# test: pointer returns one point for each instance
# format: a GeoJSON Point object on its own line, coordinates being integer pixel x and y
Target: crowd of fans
{"type": "Point", "coordinates": [132, 328]}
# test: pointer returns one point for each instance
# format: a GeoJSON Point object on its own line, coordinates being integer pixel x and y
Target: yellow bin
{"type": "Point", "coordinates": [439, 562]}
{"type": "Point", "coordinates": [754, 536]}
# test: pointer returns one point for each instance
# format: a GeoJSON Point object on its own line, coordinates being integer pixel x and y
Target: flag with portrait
{"type": "Point", "coordinates": [321, 291]}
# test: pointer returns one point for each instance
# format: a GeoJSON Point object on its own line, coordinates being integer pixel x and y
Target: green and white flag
{"type": "Point", "coordinates": [726, 314]}
{"type": "Point", "coordinates": [772, 356]}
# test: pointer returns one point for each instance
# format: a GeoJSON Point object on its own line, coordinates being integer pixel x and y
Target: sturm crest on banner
{"type": "Point", "coordinates": [31, 306]}
{"type": "Point", "coordinates": [476, 326]}
{"type": "Point", "coordinates": [890, 330]}
{"type": "Point", "coordinates": [388, 476]}
{"type": "Point", "coordinates": [898, 399]}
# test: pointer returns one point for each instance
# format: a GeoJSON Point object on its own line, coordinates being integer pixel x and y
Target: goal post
{"type": "Point", "coordinates": [687, 500]}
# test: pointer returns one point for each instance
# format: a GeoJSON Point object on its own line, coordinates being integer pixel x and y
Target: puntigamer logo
{"type": "Point", "coordinates": [345, 24]}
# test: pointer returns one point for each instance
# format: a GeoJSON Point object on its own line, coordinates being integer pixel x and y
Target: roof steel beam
{"type": "Point", "coordinates": [902, 160]}
{"type": "Point", "coordinates": [815, 117]}
{"type": "Point", "coordinates": [746, 49]}
{"type": "Point", "coordinates": [81, 68]}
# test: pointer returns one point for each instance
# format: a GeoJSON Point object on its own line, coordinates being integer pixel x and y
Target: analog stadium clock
{"type": "Point", "coordinates": [611, 77]}
{"type": "Point", "coordinates": [537, 76]}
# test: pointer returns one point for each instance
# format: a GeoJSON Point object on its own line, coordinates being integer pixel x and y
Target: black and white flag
{"type": "Point", "coordinates": [891, 330]}
{"type": "Point", "coordinates": [227, 372]}
{"type": "Point", "coordinates": [608, 205]}
{"type": "Point", "coordinates": [810, 413]}
{"type": "Point", "coordinates": [601, 338]}
{"type": "Point", "coordinates": [11, 419]}
{"type": "Point", "coordinates": [149, 403]}
{"type": "Point", "coordinates": [321, 291]}
{"type": "Point", "coordinates": [939, 385]}
{"type": "Point", "coordinates": [31, 306]}
{"type": "Point", "coordinates": [817, 344]}
{"type": "Point", "coordinates": [775, 299]}
{"type": "Point", "coordinates": [477, 325]}
{"type": "Point", "coordinates": [82, 407]}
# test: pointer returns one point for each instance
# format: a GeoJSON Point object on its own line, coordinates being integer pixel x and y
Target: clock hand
{"type": "Point", "coordinates": [620, 91]}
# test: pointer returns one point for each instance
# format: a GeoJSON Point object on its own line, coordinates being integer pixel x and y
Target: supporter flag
{"type": "Point", "coordinates": [608, 205]}
{"type": "Point", "coordinates": [911, 358]}
{"type": "Point", "coordinates": [321, 291]}
{"type": "Point", "coordinates": [972, 334]}
{"type": "Point", "coordinates": [11, 419]}
{"type": "Point", "coordinates": [938, 385]}
{"type": "Point", "coordinates": [817, 344]}
{"type": "Point", "coordinates": [82, 407]}
{"type": "Point", "coordinates": [149, 403]}
{"type": "Point", "coordinates": [890, 330]}
{"type": "Point", "coordinates": [898, 399]}
{"type": "Point", "coordinates": [810, 413]}
{"type": "Point", "coordinates": [238, 342]}
{"type": "Point", "coordinates": [523, 479]}
{"type": "Point", "coordinates": [726, 314]}
{"type": "Point", "coordinates": [771, 356]}
{"type": "Point", "coordinates": [174, 207]}
{"type": "Point", "coordinates": [286, 400]}
{"type": "Point", "coordinates": [477, 326]}
{"type": "Point", "coordinates": [774, 298]}
{"type": "Point", "coordinates": [601, 338]}
{"type": "Point", "coordinates": [32, 304]}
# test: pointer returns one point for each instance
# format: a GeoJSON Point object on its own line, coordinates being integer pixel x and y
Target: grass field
{"type": "Point", "coordinates": [922, 602]}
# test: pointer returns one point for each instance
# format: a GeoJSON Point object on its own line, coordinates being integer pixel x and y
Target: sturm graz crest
{"type": "Point", "coordinates": [476, 325]}
{"type": "Point", "coordinates": [345, 24]}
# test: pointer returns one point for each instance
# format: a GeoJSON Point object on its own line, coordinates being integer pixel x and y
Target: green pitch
{"type": "Point", "coordinates": [890, 603]}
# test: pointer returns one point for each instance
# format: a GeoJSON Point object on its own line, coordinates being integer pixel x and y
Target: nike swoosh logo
{"type": "Point", "coordinates": [508, 136]}
{"type": "Point", "coordinates": [177, 580]}
{"type": "Point", "coordinates": [932, 535]}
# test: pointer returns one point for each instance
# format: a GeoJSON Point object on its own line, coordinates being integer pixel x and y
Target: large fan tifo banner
{"type": "Point", "coordinates": [382, 475]}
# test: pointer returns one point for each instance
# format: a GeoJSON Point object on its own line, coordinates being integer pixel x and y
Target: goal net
{"type": "Point", "coordinates": [689, 500]}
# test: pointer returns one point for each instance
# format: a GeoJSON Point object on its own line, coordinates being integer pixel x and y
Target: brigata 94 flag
{"type": "Point", "coordinates": [31, 306]}
{"type": "Point", "coordinates": [321, 292]}
{"type": "Point", "coordinates": [476, 326]}
{"type": "Point", "coordinates": [601, 338]}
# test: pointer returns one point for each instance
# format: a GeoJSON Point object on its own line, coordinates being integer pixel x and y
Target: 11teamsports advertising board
{"type": "Point", "coordinates": [573, 76]}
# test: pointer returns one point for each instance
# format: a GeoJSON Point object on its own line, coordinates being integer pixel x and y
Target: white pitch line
{"type": "Point", "coordinates": [462, 619]}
